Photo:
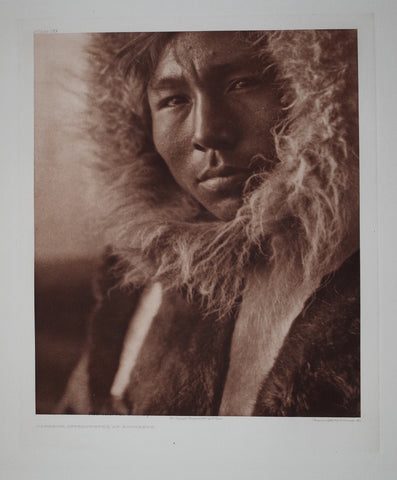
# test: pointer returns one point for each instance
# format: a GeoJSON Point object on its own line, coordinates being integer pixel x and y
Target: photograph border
{"type": "Point", "coordinates": [170, 438]}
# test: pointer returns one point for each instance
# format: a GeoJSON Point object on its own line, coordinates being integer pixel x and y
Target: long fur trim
{"type": "Point", "coordinates": [300, 219]}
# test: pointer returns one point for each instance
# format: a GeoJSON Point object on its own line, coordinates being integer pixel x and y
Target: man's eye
{"type": "Point", "coordinates": [243, 83]}
{"type": "Point", "coordinates": [173, 101]}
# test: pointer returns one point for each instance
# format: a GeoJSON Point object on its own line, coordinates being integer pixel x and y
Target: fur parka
{"type": "Point", "coordinates": [305, 214]}
{"type": "Point", "coordinates": [183, 364]}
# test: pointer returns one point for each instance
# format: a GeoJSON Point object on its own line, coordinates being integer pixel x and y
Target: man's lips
{"type": "Point", "coordinates": [227, 179]}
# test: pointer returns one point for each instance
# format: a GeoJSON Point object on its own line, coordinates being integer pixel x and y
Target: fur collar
{"type": "Point", "coordinates": [302, 220]}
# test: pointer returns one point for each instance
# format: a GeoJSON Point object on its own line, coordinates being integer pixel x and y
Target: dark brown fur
{"type": "Point", "coordinates": [182, 368]}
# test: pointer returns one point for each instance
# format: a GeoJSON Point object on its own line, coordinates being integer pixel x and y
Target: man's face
{"type": "Point", "coordinates": [212, 110]}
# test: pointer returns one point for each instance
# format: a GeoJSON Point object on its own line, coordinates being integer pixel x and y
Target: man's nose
{"type": "Point", "coordinates": [213, 126]}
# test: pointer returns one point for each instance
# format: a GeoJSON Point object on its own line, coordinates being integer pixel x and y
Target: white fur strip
{"type": "Point", "coordinates": [140, 323]}
{"type": "Point", "coordinates": [260, 330]}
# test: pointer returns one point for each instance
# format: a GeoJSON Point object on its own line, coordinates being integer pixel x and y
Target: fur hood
{"type": "Point", "coordinates": [305, 213]}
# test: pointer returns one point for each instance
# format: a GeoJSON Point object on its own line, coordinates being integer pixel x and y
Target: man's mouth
{"type": "Point", "coordinates": [223, 183]}
{"type": "Point", "coordinates": [226, 179]}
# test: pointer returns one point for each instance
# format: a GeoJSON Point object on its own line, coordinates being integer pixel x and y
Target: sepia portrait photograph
{"type": "Point", "coordinates": [198, 217]}
{"type": "Point", "coordinates": [197, 245]}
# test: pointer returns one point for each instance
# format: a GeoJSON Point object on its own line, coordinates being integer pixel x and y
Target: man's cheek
{"type": "Point", "coordinates": [161, 136]}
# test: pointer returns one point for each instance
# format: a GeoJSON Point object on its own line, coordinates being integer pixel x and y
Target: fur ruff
{"type": "Point", "coordinates": [301, 219]}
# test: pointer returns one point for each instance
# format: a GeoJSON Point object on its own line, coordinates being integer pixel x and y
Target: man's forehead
{"type": "Point", "coordinates": [202, 52]}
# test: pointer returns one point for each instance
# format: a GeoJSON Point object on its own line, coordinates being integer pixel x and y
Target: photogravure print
{"type": "Point", "coordinates": [221, 179]}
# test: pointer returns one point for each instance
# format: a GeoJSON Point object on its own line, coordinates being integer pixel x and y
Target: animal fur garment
{"type": "Point", "coordinates": [183, 365]}
{"type": "Point", "coordinates": [292, 243]}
